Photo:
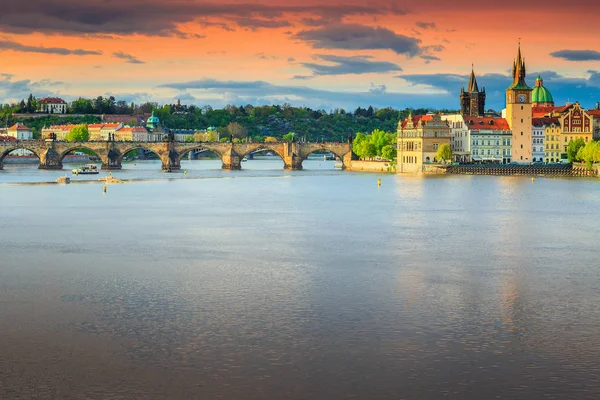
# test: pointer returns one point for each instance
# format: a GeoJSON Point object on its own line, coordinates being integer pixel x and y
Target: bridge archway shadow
{"type": "Point", "coordinates": [140, 158]}
{"type": "Point", "coordinates": [321, 160]}
{"type": "Point", "coordinates": [80, 155]}
{"type": "Point", "coordinates": [200, 159]}
{"type": "Point", "coordinates": [19, 158]}
{"type": "Point", "coordinates": [263, 159]}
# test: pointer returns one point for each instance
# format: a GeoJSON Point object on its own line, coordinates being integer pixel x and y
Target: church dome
{"type": "Point", "coordinates": [153, 119]}
{"type": "Point", "coordinates": [541, 95]}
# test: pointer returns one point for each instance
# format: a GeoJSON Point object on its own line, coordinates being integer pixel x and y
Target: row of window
{"type": "Point", "coordinates": [505, 142]}
{"type": "Point", "coordinates": [505, 152]}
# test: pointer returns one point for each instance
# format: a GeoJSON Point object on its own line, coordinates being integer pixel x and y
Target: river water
{"type": "Point", "coordinates": [313, 284]}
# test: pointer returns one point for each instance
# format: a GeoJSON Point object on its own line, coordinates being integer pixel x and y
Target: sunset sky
{"type": "Point", "coordinates": [343, 54]}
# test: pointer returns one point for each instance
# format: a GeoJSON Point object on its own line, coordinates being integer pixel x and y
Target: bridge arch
{"type": "Point", "coordinates": [6, 151]}
{"type": "Point", "coordinates": [200, 147]}
{"type": "Point", "coordinates": [78, 146]}
{"type": "Point", "coordinates": [262, 147]}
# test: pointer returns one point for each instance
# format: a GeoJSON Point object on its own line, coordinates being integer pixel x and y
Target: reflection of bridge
{"type": "Point", "coordinates": [51, 153]}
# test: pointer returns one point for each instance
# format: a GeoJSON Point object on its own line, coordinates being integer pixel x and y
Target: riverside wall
{"type": "Point", "coordinates": [566, 170]}
{"type": "Point", "coordinates": [372, 166]}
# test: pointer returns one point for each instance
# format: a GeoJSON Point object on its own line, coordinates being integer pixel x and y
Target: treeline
{"type": "Point", "coordinates": [260, 121]}
{"type": "Point", "coordinates": [278, 120]}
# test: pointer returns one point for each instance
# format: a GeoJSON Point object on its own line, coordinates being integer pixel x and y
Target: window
{"type": "Point", "coordinates": [521, 147]}
{"type": "Point", "coordinates": [521, 133]}
{"type": "Point", "coordinates": [435, 146]}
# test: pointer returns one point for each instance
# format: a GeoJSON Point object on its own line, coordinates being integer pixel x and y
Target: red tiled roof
{"type": "Point", "coordinates": [595, 113]}
{"type": "Point", "coordinates": [19, 127]}
{"type": "Point", "coordinates": [8, 139]}
{"type": "Point", "coordinates": [52, 100]}
{"type": "Point", "coordinates": [478, 123]}
{"type": "Point", "coordinates": [539, 122]}
{"type": "Point", "coordinates": [417, 118]}
{"type": "Point", "coordinates": [110, 126]}
{"type": "Point", "coordinates": [93, 126]}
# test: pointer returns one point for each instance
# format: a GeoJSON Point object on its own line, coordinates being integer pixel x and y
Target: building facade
{"type": "Point", "coordinates": [20, 132]}
{"type": "Point", "coordinates": [538, 134]}
{"type": "Point", "coordinates": [491, 139]}
{"type": "Point", "coordinates": [459, 137]}
{"type": "Point", "coordinates": [57, 132]}
{"type": "Point", "coordinates": [552, 129]}
{"type": "Point", "coordinates": [519, 112]}
{"type": "Point", "coordinates": [419, 138]}
{"type": "Point", "coordinates": [575, 123]}
{"type": "Point", "coordinates": [52, 105]}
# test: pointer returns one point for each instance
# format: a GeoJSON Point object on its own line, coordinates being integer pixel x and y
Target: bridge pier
{"type": "Point", "coordinates": [293, 162]}
{"type": "Point", "coordinates": [112, 161]}
{"type": "Point", "coordinates": [170, 161]}
{"type": "Point", "coordinates": [231, 160]}
{"type": "Point", "coordinates": [49, 159]}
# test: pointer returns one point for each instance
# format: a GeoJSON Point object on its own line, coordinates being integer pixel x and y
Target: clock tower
{"type": "Point", "coordinates": [518, 112]}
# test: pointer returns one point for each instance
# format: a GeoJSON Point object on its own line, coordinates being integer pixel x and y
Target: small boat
{"type": "Point", "coordinates": [339, 165]}
{"type": "Point", "coordinates": [86, 170]}
{"type": "Point", "coordinates": [244, 159]}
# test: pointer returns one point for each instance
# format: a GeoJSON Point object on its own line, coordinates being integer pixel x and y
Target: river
{"type": "Point", "coordinates": [313, 284]}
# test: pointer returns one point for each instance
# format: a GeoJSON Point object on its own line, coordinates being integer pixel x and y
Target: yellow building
{"type": "Point", "coordinates": [575, 123]}
{"type": "Point", "coordinates": [419, 139]}
{"type": "Point", "coordinates": [94, 132]}
{"type": "Point", "coordinates": [518, 112]}
{"type": "Point", "coordinates": [552, 139]}
{"type": "Point", "coordinates": [58, 132]}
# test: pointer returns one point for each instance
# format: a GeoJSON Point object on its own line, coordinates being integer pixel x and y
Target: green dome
{"type": "Point", "coordinates": [153, 120]}
{"type": "Point", "coordinates": [540, 94]}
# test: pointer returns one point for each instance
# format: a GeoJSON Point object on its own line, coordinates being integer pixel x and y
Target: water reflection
{"type": "Point", "coordinates": [295, 285]}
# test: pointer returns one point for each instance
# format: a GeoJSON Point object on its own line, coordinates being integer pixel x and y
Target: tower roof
{"type": "Point", "coordinates": [473, 88]}
{"type": "Point", "coordinates": [519, 72]}
{"type": "Point", "coordinates": [540, 94]}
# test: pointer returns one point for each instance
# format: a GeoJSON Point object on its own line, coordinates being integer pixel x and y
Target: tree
{"type": "Point", "coordinates": [270, 139]}
{"type": "Point", "coordinates": [237, 130]}
{"type": "Point", "coordinates": [288, 137]}
{"type": "Point", "coordinates": [444, 152]}
{"type": "Point", "coordinates": [78, 134]}
{"type": "Point", "coordinates": [388, 152]}
{"type": "Point", "coordinates": [573, 149]}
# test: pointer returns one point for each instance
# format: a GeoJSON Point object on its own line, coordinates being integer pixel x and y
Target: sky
{"type": "Point", "coordinates": [319, 54]}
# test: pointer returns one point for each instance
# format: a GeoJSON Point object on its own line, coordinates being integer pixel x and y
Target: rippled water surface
{"type": "Point", "coordinates": [314, 284]}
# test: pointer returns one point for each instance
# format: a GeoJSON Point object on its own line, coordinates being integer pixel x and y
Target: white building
{"type": "Point", "coordinates": [52, 105]}
{"type": "Point", "coordinates": [538, 135]}
{"type": "Point", "coordinates": [459, 137]}
{"type": "Point", "coordinates": [491, 139]}
{"type": "Point", "coordinates": [20, 132]}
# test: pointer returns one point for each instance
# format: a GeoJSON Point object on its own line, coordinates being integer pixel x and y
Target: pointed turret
{"type": "Point", "coordinates": [472, 83]}
{"type": "Point", "coordinates": [519, 72]}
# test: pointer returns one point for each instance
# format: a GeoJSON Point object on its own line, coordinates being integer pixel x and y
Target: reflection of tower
{"type": "Point", "coordinates": [518, 112]}
{"type": "Point", "coordinates": [472, 102]}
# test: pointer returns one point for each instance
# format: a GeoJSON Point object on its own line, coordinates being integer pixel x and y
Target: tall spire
{"type": "Point", "coordinates": [473, 88]}
{"type": "Point", "coordinates": [519, 71]}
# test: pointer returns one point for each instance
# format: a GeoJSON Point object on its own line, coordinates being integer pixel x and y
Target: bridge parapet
{"type": "Point", "coordinates": [52, 153]}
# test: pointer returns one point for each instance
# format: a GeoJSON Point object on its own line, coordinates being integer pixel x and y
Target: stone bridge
{"type": "Point", "coordinates": [51, 153]}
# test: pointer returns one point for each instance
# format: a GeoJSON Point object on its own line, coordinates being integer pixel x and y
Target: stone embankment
{"type": "Point", "coordinates": [516, 169]}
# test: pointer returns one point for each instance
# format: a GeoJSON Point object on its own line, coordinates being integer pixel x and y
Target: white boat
{"type": "Point", "coordinates": [244, 159]}
{"type": "Point", "coordinates": [339, 165]}
{"type": "Point", "coordinates": [89, 169]}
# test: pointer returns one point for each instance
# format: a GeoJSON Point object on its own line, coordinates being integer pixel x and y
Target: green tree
{"type": "Point", "coordinates": [444, 152]}
{"type": "Point", "coordinates": [78, 134]}
{"type": "Point", "coordinates": [388, 152]}
{"type": "Point", "coordinates": [573, 149]}
{"type": "Point", "coordinates": [288, 137]}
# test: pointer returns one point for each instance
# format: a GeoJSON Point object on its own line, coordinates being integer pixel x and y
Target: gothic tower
{"type": "Point", "coordinates": [518, 112]}
{"type": "Point", "coordinates": [472, 102]}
